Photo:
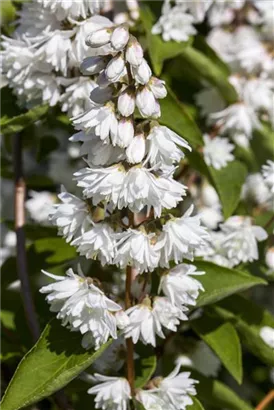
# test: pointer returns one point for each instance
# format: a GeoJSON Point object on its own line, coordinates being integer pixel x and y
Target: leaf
{"type": "Point", "coordinates": [220, 282]}
{"type": "Point", "coordinates": [16, 124]}
{"type": "Point", "coordinates": [227, 181]}
{"type": "Point", "coordinates": [52, 363]}
{"type": "Point", "coordinates": [248, 319]}
{"type": "Point", "coordinates": [196, 405]}
{"type": "Point", "coordinates": [144, 366]}
{"type": "Point", "coordinates": [159, 50]}
{"type": "Point", "coordinates": [55, 250]}
{"type": "Point", "coordinates": [137, 405]}
{"type": "Point", "coordinates": [262, 144]}
{"type": "Point", "coordinates": [217, 394]}
{"type": "Point", "coordinates": [176, 117]}
{"type": "Point", "coordinates": [204, 68]}
{"type": "Point", "coordinates": [224, 341]}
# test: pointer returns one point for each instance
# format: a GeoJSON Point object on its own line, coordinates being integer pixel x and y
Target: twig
{"type": "Point", "coordinates": [129, 342]}
{"type": "Point", "coordinates": [266, 401]}
{"type": "Point", "coordinates": [19, 206]}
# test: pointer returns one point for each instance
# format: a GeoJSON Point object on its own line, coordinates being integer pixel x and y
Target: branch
{"type": "Point", "coordinates": [19, 206]}
{"type": "Point", "coordinates": [266, 401]}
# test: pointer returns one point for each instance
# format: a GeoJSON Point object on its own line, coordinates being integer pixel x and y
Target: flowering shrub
{"type": "Point", "coordinates": [149, 205]}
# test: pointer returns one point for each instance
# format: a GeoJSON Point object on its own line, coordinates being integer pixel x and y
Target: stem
{"type": "Point", "coordinates": [19, 198]}
{"type": "Point", "coordinates": [129, 342]}
{"type": "Point", "coordinates": [266, 401]}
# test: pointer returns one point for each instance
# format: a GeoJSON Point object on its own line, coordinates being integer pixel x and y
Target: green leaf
{"type": "Point", "coordinates": [51, 364]}
{"type": "Point", "coordinates": [204, 68]}
{"type": "Point", "coordinates": [47, 144]}
{"type": "Point", "coordinates": [196, 405]}
{"type": "Point", "coordinates": [137, 405]}
{"type": "Point", "coordinates": [220, 282]}
{"type": "Point", "coordinates": [16, 124]}
{"type": "Point", "coordinates": [159, 50]}
{"type": "Point", "coordinates": [248, 319]}
{"type": "Point", "coordinates": [227, 181]}
{"type": "Point", "coordinates": [217, 394]}
{"type": "Point", "coordinates": [54, 250]}
{"type": "Point", "coordinates": [262, 144]}
{"type": "Point", "coordinates": [176, 117]}
{"type": "Point", "coordinates": [144, 366]}
{"type": "Point", "coordinates": [224, 341]}
{"type": "Point", "coordinates": [7, 12]}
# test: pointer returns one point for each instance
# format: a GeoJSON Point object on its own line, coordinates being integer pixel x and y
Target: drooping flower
{"type": "Point", "coordinates": [179, 285]}
{"type": "Point", "coordinates": [217, 151]}
{"type": "Point", "coordinates": [267, 334]}
{"type": "Point", "coordinates": [112, 393]}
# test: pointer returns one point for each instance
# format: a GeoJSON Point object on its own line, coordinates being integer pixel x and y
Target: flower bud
{"type": "Point", "coordinates": [119, 38]}
{"type": "Point", "coordinates": [134, 52]}
{"type": "Point", "coordinates": [158, 87]}
{"type": "Point", "coordinates": [142, 72]}
{"type": "Point", "coordinates": [126, 103]}
{"type": "Point", "coordinates": [115, 69]}
{"type": "Point", "coordinates": [269, 258]}
{"type": "Point", "coordinates": [125, 132]}
{"type": "Point", "coordinates": [136, 150]}
{"type": "Point", "coordinates": [147, 104]}
{"type": "Point", "coordinates": [99, 37]}
{"type": "Point", "coordinates": [92, 65]}
{"type": "Point", "coordinates": [209, 196]}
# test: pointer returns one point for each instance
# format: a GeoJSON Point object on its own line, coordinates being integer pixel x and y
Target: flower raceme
{"type": "Point", "coordinates": [130, 166]}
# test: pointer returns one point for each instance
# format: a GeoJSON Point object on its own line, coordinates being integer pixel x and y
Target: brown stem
{"type": "Point", "coordinates": [21, 258]}
{"type": "Point", "coordinates": [19, 206]}
{"type": "Point", "coordinates": [266, 401]}
{"type": "Point", "coordinates": [129, 342]}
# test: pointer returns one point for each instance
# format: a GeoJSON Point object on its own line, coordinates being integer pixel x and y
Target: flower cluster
{"type": "Point", "coordinates": [40, 62]}
{"type": "Point", "coordinates": [129, 175]}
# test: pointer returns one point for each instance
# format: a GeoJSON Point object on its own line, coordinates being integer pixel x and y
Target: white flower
{"type": "Point", "coordinates": [179, 286]}
{"type": "Point", "coordinates": [147, 103]}
{"type": "Point", "coordinates": [157, 87]}
{"type": "Point", "coordinates": [134, 52]}
{"type": "Point", "coordinates": [163, 146]}
{"type": "Point", "coordinates": [255, 189]}
{"type": "Point", "coordinates": [240, 240]}
{"type": "Point", "coordinates": [209, 100]}
{"type": "Point", "coordinates": [83, 307]}
{"type": "Point", "coordinates": [214, 251]}
{"type": "Point", "coordinates": [202, 359]}
{"type": "Point", "coordinates": [119, 38]}
{"type": "Point", "coordinates": [70, 8]}
{"type": "Point", "coordinates": [102, 118]}
{"type": "Point", "coordinates": [71, 216]}
{"type": "Point", "coordinates": [93, 65]}
{"type": "Point", "coordinates": [217, 151]}
{"type": "Point", "coordinates": [97, 242]}
{"type": "Point", "coordinates": [182, 236]}
{"type": "Point", "coordinates": [209, 196]}
{"type": "Point", "coordinates": [39, 205]}
{"type": "Point", "coordinates": [174, 24]}
{"type": "Point", "coordinates": [236, 118]}
{"type": "Point", "coordinates": [150, 399]}
{"type": "Point", "coordinates": [126, 103]}
{"type": "Point", "coordinates": [267, 334]}
{"type": "Point", "coordinates": [223, 12]}
{"type": "Point", "coordinates": [175, 390]}
{"type": "Point", "coordinates": [210, 217]}
{"type": "Point", "coordinates": [138, 249]}
{"type": "Point", "coordinates": [198, 8]}
{"type": "Point", "coordinates": [112, 393]}
{"type": "Point", "coordinates": [115, 69]}
{"type": "Point", "coordinates": [76, 99]}
{"type": "Point", "coordinates": [99, 37]}
{"type": "Point", "coordinates": [146, 322]}
{"type": "Point", "coordinates": [135, 152]}
{"type": "Point", "coordinates": [268, 174]}
{"type": "Point", "coordinates": [141, 73]}
{"type": "Point", "coordinates": [269, 258]}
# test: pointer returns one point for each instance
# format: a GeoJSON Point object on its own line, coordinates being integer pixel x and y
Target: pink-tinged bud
{"type": "Point", "coordinates": [158, 87]}
{"type": "Point", "coordinates": [125, 132]}
{"type": "Point", "coordinates": [134, 52]}
{"type": "Point", "coordinates": [126, 103]}
{"type": "Point", "coordinates": [92, 65]}
{"type": "Point", "coordinates": [99, 37]}
{"type": "Point", "coordinates": [119, 38]}
{"type": "Point", "coordinates": [136, 150]}
{"type": "Point", "coordinates": [115, 69]}
{"type": "Point", "coordinates": [142, 72]}
{"type": "Point", "coordinates": [269, 258]}
{"type": "Point", "coordinates": [147, 104]}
